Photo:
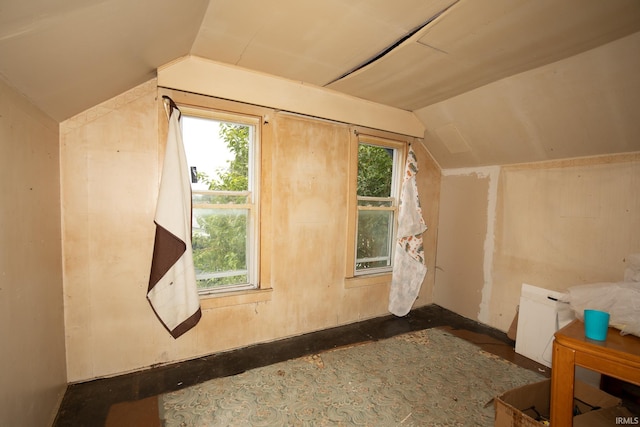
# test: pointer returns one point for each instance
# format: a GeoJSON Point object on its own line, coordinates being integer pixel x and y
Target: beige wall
{"type": "Point", "coordinates": [110, 172]}
{"type": "Point", "coordinates": [32, 358]}
{"type": "Point", "coordinates": [552, 225]}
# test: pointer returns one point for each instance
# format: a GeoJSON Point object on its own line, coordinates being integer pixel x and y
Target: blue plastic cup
{"type": "Point", "coordinates": [596, 324]}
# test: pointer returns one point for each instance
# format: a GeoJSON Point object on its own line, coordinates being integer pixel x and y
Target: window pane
{"type": "Point", "coordinates": [376, 203]}
{"type": "Point", "coordinates": [375, 170]}
{"type": "Point", "coordinates": [374, 243]}
{"type": "Point", "coordinates": [211, 198]}
{"type": "Point", "coordinates": [220, 246]}
{"type": "Point", "coordinates": [220, 157]}
{"type": "Point", "coordinates": [217, 153]}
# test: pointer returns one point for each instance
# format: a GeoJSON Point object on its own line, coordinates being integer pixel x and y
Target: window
{"type": "Point", "coordinates": [222, 155]}
{"type": "Point", "coordinates": [377, 200]}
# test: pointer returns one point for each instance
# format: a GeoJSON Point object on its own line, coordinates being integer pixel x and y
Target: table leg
{"type": "Point", "coordinates": [562, 383]}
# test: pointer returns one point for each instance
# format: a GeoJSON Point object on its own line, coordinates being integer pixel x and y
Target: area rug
{"type": "Point", "coordinates": [424, 378]}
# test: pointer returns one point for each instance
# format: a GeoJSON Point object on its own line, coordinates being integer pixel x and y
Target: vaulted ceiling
{"type": "Point", "coordinates": [68, 55]}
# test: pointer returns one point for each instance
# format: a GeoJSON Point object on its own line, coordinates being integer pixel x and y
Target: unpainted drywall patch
{"type": "Point", "coordinates": [492, 173]}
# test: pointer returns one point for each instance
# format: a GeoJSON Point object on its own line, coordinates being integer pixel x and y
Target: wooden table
{"type": "Point", "coordinates": [618, 356]}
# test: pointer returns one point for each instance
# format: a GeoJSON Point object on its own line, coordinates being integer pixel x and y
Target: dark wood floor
{"type": "Point", "coordinates": [87, 404]}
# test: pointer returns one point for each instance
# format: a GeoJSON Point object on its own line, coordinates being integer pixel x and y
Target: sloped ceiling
{"type": "Point", "coordinates": [417, 55]}
{"type": "Point", "coordinates": [68, 55]}
{"type": "Point", "coordinates": [479, 42]}
{"type": "Point", "coordinates": [311, 41]}
{"type": "Point", "coordinates": [585, 105]}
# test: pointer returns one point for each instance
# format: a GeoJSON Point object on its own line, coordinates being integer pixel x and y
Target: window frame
{"type": "Point", "coordinates": [253, 193]}
{"type": "Point", "coordinates": [399, 144]}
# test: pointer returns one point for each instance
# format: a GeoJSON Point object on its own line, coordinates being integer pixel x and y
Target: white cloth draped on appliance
{"type": "Point", "coordinates": [172, 291]}
{"type": "Point", "coordinates": [409, 268]}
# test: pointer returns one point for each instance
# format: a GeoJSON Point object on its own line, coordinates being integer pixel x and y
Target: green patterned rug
{"type": "Point", "coordinates": [424, 378]}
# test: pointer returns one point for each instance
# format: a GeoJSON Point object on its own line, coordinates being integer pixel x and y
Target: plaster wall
{"type": "Point", "coordinates": [552, 224]}
{"type": "Point", "coordinates": [110, 174]}
{"type": "Point", "coordinates": [32, 359]}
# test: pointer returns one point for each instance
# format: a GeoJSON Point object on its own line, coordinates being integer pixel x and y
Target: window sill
{"type": "Point", "coordinates": [251, 296]}
{"type": "Point", "coordinates": [368, 280]}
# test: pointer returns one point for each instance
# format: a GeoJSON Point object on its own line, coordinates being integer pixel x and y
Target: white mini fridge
{"type": "Point", "coordinates": [540, 315]}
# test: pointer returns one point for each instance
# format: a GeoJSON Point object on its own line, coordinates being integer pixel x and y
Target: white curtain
{"type": "Point", "coordinates": [172, 291]}
{"type": "Point", "coordinates": [409, 268]}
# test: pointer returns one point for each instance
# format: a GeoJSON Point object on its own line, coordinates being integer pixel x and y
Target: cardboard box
{"type": "Point", "coordinates": [613, 416]}
{"type": "Point", "coordinates": [528, 406]}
